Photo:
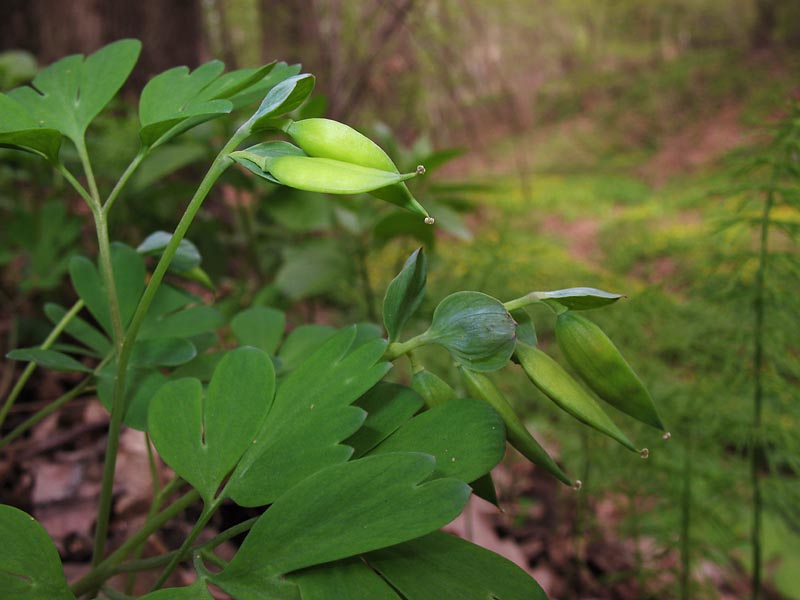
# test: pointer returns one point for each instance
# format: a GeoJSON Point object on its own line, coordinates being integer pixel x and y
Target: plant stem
{"type": "Point", "coordinates": [185, 549]}
{"type": "Point", "coordinates": [221, 162]}
{"type": "Point", "coordinates": [756, 448]}
{"type": "Point", "coordinates": [397, 349]}
{"type": "Point", "coordinates": [686, 520]}
{"type": "Point", "coordinates": [31, 367]}
{"type": "Point", "coordinates": [47, 410]}
{"type": "Point", "coordinates": [147, 564]}
{"type": "Point", "coordinates": [123, 179]}
{"type": "Point", "coordinates": [101, 572]}
{"type": "Point", "coordinates": [75, 184]}
{"type": "Point", "coordinates": [522, 301]}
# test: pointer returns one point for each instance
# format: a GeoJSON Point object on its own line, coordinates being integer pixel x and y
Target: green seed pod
{"type": "Point", "coordinates": [601, 365]}
{"type": "Point", "coordinates": [556, 384]}
{"type": "Point", "coordinates": [325, 138]}
{"type": "Point", "coordinates": [481, 387]}
{"type": "Point", "coordinates": [329, 176]}
{"type": "Point", "coordinates": [432, 388]}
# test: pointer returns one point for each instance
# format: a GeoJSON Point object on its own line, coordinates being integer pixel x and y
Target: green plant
{"type": "Point", "coordinates": [354, 481]}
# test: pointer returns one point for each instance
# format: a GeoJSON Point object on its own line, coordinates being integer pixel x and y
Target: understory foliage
{"type": "Point", "coordinates": [352, 476]}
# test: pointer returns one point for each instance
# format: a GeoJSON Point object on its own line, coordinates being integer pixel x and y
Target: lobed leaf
{"type": "Point", "coordinates": [281, 99]}
{"type": "Point", "coordinates": [345, 510]}
{"type": "Point", "coordinates": [347, 579]}
{"type": "Point", "coordinates": [260, 327]}
{"type": "Point", "coordinates": [202, 440]}
{"type": "Point", "coordinates": [186, 258]}
{"type": "Point", "coordinates": [30, 568]}
{"type": "Point", "coordinates": [445, 567]}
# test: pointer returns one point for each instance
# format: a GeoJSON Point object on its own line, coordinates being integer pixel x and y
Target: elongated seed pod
{"type": "Point", "coordinates": [482, 388]}
{"type": "Point", "coordinates": [330, 176]}
{"type": "Point", "coordinates": [325, 138]}
{"type": "Point", "coordinates": [561, 388]}
{"type": "Point", "coordinates": [603, 368]}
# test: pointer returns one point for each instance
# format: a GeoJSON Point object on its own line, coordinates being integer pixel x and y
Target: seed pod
{"type": "Point", "coordinates": [432, 388]}
{"type": "Point", "coordinates": [601, 365]}
{"type": "Point", "coordinates": [325, 138]}
{"type": "Point", "coordinates": [329, 176]}
{"type": "Point", "coordinates": [481, 387]}
{"type": "Point", "coordinates": [556, 384]}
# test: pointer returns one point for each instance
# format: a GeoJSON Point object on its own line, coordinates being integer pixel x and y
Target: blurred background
{"type": "Point", "coordinates": [637, 147]}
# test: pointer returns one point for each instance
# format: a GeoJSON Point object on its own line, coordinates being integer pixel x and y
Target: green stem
{"type": "Point", "coordinates": [397, 349]}
{"type": "Point", "coordinates": [221, 162]}
{"type": "Point", "coordinates": [75, 184]}
{"type": "Point", "coordinates": [115, 594]}
{"type": "Point", "coordinates": [686, 520]}
{"type": "Point", "coordinates": [26, 374]}
{"type": "Point", "coordinates": [522, 301]}
{"type": "Point", "coordinates": [87, 169]}
{"type": "Point", "coordinates": [39, 416]}
{"type": "Point", "coordinates": [101, 572]}
{"type": "Point", "coordinates": [123, 179]}
{"type": "Point", "coordinates": [185, 549]}
{"type": "Point", "coordinates": [147, 564]}
{"type": "Point", "coordinates": [756, 449]}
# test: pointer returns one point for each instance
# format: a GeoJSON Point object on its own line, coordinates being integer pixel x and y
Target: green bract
{"type": "Point", "coordinates": [404, 294]}
{"type": "Point", "coordinates": [567, 393]}
{"type": "Point", "coordinates": [601, 365]}
{"type": "Point", "coordinates": [476, 329]}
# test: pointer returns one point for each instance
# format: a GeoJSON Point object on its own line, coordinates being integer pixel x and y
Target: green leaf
{"type": "Point", "coordinates": [187, 323]}
{"type": "Point", "coordinates": [30, 568]}
{"type": "Point", "coordinates": [466, 436]}
{"type": "Point", "coordinates": [445, 567]}
{"type": "Point", "coordinates": [196, 591]}
{"type": "Point", "coordinates": [309, 419]}
{"type": "Point", "coordinates": [129, 274]}
{"type": "Point", "coordinates": [70, 93]}
{"type": "Point", "coordinates": [580, 298]}
{"type": "Point", "coordinates": [201, 367]}
{"type": "Point", "coordinates": [253, 158]}
{"type": "Point", "coordinates": [259, 326]}
{"type": "Point", "coordinates": [203, 440]}
{"type": "Point", "coordinates": [174, 96]}
{"type": "Point", "coordinates": [345, 510]}
{"type": "Point", "coordinates": [388, 406]}
{"type": "Point", "coordinates": [186, 258]}
{"type": "Point", "coordinates": [283, 98]}
{"type": "Point", "coordinates": [141, 384]}
{"type": "Point", "coordinates": [342, 580]}
{"type": "Point", "coordinates": [481, 387]}
{"type": "Point", "coordinates": [476, 329]}
{"type": "Point", "coordinates": [79, 329]}
{"type": "Point", "coordinates": [19, 130]}
{"type": "Point", "coordinates": [299, 212]}
{"type": "Point", "coordinates": [162, 352]}
{"type": "Point", "coordinates": [405, 293]}
{"type": "Point", "coordinates": [49, 359]}
{"type": "Point", "coordinates": [301, 343]}
{"type": "Point", "coordinates": [555, 383]}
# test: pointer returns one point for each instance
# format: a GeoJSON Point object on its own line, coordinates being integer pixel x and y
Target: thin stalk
{"type": "Point", "coordinates": [147, 564]}
{"type": "Point", "coordinates": [123, 179]}
{"type": "Point", "coordinates": [758, 393]}
{"type": "Point", "coordinates": [397, 349]}
{"type": "Point", "coordinates": [523, 301]}
{"type": "Point", "coordinates": [39, 416]}
{"type": "Point", "coordinates": [155, 505]}
{"type": "Point", "coordinates": [115, 594]}
{"type": "Point", "coordinates": [75, 184]}
{"type": "Point", "coordinates": [185, 549]}
{"type": "Point", "coordinates": [101, 572]}
{"type": "Point", "coordinates": [26, 374]}
{"type": "Point", "coordinates": [221, 162]}
{"type": "Point", "coordinates": [686, 520]}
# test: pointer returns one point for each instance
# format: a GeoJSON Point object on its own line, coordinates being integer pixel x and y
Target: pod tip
{"type": "Point", "coordinates": [577, 485]}
{"type": "Point", "coordinates": [666, 436]}
{"type": "Point", "coordinates": [420, 170]}
{"type": "Point", "coordinates": [429, 220]}
{"type": "Point", "coordinates": [644, 453]}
